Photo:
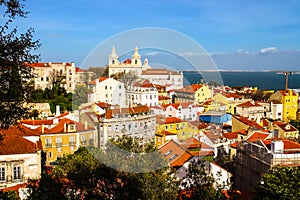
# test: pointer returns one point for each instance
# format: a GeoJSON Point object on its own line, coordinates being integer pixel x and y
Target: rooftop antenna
{"type": "Point", "coordinates": [287, 79]}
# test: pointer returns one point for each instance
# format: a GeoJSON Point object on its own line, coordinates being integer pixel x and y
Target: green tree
{"type": "Point", "coordinates": [9, 195]}
{"type": "Point", "coordinates": [15, 59]}
{"type": "Point", "coordinates": [88, 178]}
{"type": "Point", "coordinates": [280, 182]}
{"type": "Point", "coordinates": [199, 184]}
{"type": "Point", "coordinates": [80, 96]}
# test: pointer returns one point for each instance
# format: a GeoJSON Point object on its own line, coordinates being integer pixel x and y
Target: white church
{"type": "Point", "coordinates": [135, 64]}
{"type": "Point", "coordinates": [144, 70]}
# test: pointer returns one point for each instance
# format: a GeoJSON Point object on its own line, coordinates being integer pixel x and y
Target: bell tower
{"type": "Point", "coordinates": [113, 57]}
{"type": "Point", "coordinates": [136, 58]}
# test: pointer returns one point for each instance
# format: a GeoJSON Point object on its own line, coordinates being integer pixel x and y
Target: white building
{"type": "Point", "coordinates": [137, 122]}
{"type": "Point", "coordinates": [133, 65]}
{"type": "Point", "coordinates": [141, 94]}
{"type": "Point", "coordinates": [20, 158]}
{"type": "Point", "coordinates": [107, 90]}
{"type": "Point", "coordinates": [276, 110]}
{"type": "Point", "coordinates": [46, 73]}
{"type": "Point", "coordinates": [184, 111]}
{"type": "Point", "coordinates": [164, 77]}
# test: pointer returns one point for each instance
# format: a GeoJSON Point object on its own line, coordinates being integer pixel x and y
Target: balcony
{"type": "Point", "coordinates": [48, 145]}
{"type": "Point", "coordinates": [72, 143]}
{"type": "Point", "coordinates": [58, 144]}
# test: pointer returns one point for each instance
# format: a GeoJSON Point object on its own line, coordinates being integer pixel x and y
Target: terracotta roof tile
{"type": "Point", "coordinates": [231, 135]}
{"type": "Point", "coordinates": [257, 136]}
{"type": "Point", "coordinates": [14, 144]}
{"type": "Point", "coordinates": [249, 122]}
{"type": "Point", "coordinates": [19, 130]}
{"type": "Point", "coordinates": [79, 70]}
{"type": "Point", "coordinates": [286, 127]}
{"type": "Point", "coordinates": [175, 154]}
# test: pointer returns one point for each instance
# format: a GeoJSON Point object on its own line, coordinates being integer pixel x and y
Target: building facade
{"type": "Point", "coordinates": [47, 73]}
{"type": "Point", "coordinates": [107, 90]}
{"type": "Point", "coordinates": [289, 99]}
{"type": "Point", "coordinates": [137, 122]}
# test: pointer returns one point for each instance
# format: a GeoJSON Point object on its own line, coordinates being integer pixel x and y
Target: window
{"type": "Point", "coordinates": [47, 78]}
{"type": "Point", "coordinates": [105, 87]}
{"type": "Point", "coordinates": [42, 79]}
{"type": "Point", "coordinates": [72, 140]}
{"type": "Point", "coordinates": [166, 127]}
{"type": "Point", "coordinates": [48, 142]}
{"type": "Point", "coordinates": [173, 157]}
{"type": "Point", "coordinates": [171, 127]}
{"type": "Point", "coordinates": [17, 173]}
{"type": "Point", "coordinates": [83, 140]}
{"type": "Point", "coordinates": [168, 153]}
{"type": "Point", "coordinates": [58, 142]}
{"type": "Point", "coordinates": [2, 174]}
{"type": "Point", "coordinates": [120, 86]}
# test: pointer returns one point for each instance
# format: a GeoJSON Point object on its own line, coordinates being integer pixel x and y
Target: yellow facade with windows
{"type": "Point", "coordinates": [289, 99]}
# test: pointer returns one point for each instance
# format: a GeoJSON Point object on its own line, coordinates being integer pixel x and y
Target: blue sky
{"type": "Point", "coordinates": [237, 34]}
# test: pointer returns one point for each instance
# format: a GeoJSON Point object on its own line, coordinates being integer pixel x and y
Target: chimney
{"type": "Point", "coordinates": [57, 111]}
{"type": "Point", "coordinates": [43, 128]}
{"type": "Point", "coordinates": [65, 127]}
{"type": "Point", "coordinates": [85, 125]}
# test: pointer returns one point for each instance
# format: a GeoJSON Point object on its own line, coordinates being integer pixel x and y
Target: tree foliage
{"type": "Point", "coordinates": [199, 184]}
{"type": "Point", "coordinates": [86, 177]}
{"type": "Point", "coordinates": [280, 182]}
{"type": "Point", "coordinates": [15, 57]}
{"type": "Point", "coordinates": [9, 195]}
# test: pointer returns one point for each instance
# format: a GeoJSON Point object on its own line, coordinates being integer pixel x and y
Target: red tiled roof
{"type": "Point", "coordinates": [60, 127]}
{"type": "Point", "coordinates": [103, 104]}
{"type": "Point", "coordinates": [37, 122]}
{"type": "Point", "coordinates": [202, 153]}
{"type": "Point", "coordinates": [248, 104]}
{"type": "Point", "coordinates": [249, 122]}
{"type": "Point", "coordinates": [79, 70]}
{"type": "Point", "coordinates": [231, 135]}
{"type": "Point", "coordinates": [170, 120]}
{"type": "Point", "coordinates": [93, 82]}
{"type": "Point", "coordinates": [14, 144]}
{"type": "Point", "coordinates": [127, 61]}
{"type": "Point", "coordinates": [286, 127]}
{"type": "Point", "coordinates": [175, 154]}
{"type": "Point", "coordinates": [234, 145]}
{"type": "Point", "coordinates": [288, 144]}
{"type": "Point", "coordinates": [257, 136]}
{"type": "Point", "coordinates": [19, 130]}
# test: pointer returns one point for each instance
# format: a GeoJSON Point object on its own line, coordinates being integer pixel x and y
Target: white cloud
{"type": "Point", "coordinates": [268, 50]}
{"type": "Point", "coordinates": [154, 53]}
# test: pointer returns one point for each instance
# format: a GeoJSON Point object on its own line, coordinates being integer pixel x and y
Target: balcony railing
{"type": "Point", "coordinates": [58, 144]}
{"type": "Point", "coordinates": [48, 145]}
{"type": "Point", "coordinates": [72, 143]}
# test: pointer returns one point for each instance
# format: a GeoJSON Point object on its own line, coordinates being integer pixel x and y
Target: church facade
{"type": "Point", "coordinates": [134, 65]}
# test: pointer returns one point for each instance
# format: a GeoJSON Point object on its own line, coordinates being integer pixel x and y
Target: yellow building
{"type": "Point", "coordinates": [174, 127]}
{"type": "Point", "coordinates": [197, 93]}
{"type": "Point", "coordinates": [64, 138]}
{"type": "Point", "coordinates": [289, 99]}
{"type": "Point", "coordinates": [229, 99]}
